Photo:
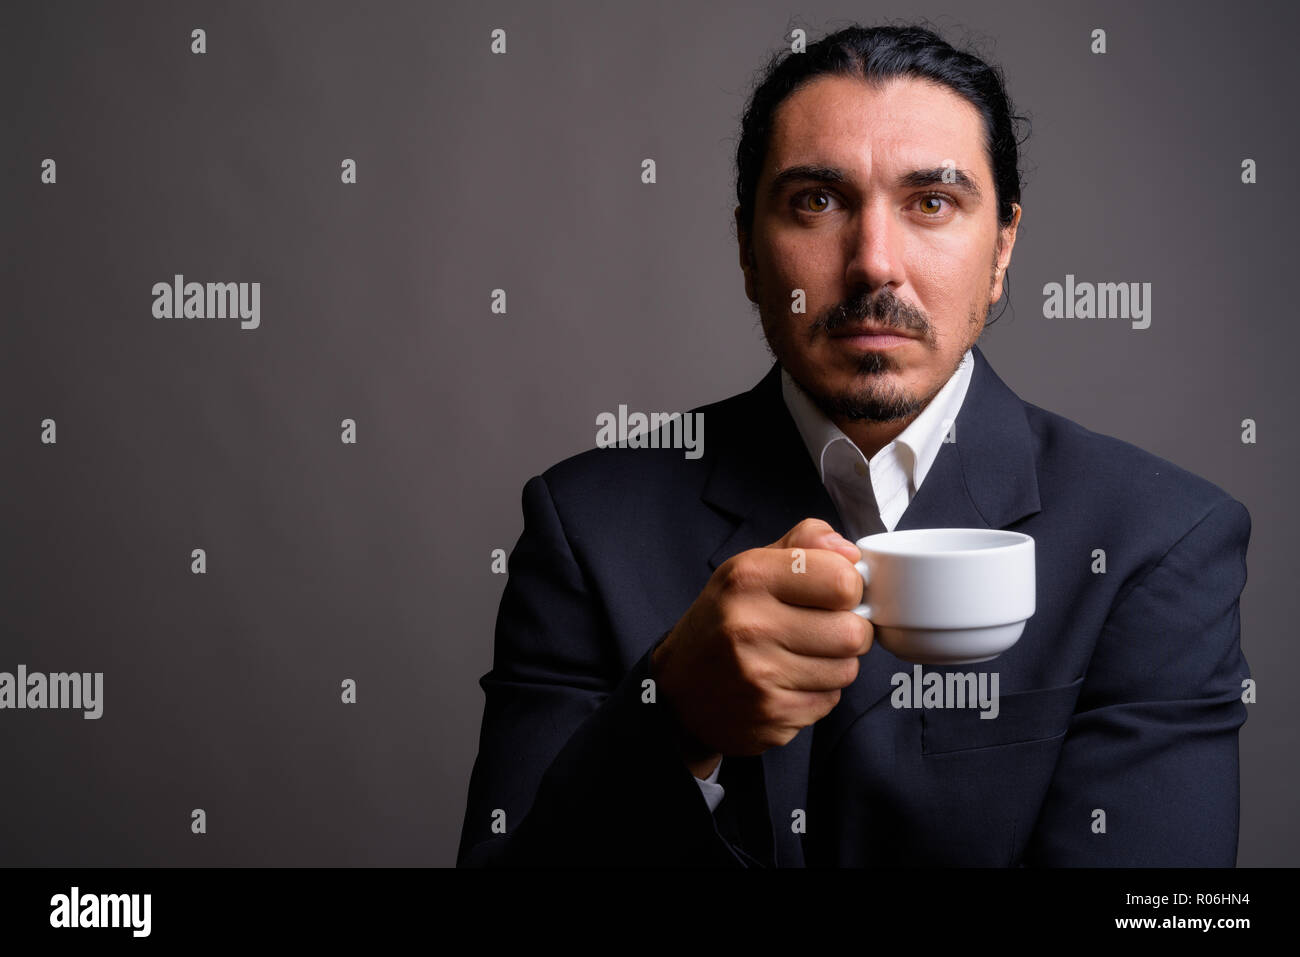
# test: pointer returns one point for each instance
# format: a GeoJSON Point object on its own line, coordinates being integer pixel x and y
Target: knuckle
{"type": "Point", "coordinates": [758, 674]}
{"type": "Point", "coordinates": [807, 530]}
{"type": "Point", "coordinates": [740, 630]}
{"type": "Point", "coordinates": [768, 710]}
{"type": "Point", "coordinates": [848, 583]}
{"type": "Point", "coordinates": [738, 573]}
{"type": "Point", "coordinates": [854, 634]}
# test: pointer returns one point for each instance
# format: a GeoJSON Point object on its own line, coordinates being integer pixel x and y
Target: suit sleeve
{"type": "Point", "coordinates": [574, 767]}
{"type": "Point", "coordinates": [1152, 745]}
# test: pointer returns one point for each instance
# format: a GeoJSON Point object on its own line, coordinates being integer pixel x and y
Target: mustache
{"type": "Point", "coordinates": [884, 308]}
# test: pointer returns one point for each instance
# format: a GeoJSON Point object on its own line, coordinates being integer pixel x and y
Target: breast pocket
{"type": "Point", "coordinates": [1035, 715]}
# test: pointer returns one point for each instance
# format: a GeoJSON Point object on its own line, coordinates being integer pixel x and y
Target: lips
{"type": "Point", "coordinates": [873, 331]}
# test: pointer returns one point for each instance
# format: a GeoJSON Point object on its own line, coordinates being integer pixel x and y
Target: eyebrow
{"type": "Point", "coordinates": [962, 180]}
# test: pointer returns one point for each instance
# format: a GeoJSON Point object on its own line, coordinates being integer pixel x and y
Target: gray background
{"type": "Point", "coordinates": [328, 561]}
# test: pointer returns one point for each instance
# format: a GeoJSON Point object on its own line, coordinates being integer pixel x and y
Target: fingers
{"type": "Point", "coordinates": [809, 577]}
{"type": "Point", "coordinates": [795, 672]}
{"type": "Point", "coordinates": [815, 579]}
{"type": "Point", "coordinates": [817, 633]}
{"type": "Point", "coordinates": [815, 533]}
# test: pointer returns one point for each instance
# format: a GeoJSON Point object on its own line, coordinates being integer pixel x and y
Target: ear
{"type": "Point", "coordinates": [746, 259]}
{"type": "Point", "coordinates": [1006, 243]}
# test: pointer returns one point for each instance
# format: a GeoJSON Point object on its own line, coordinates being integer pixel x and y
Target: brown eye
{"type": "Point", "coordinates": [814, 201]}
{"type": "Point", "coordinates": [932, 199]}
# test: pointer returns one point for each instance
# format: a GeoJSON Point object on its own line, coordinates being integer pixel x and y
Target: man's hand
{"type": "Point", "coordinates": [766, 647]}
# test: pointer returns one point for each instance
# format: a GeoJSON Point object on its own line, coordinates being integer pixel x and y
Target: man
{"type": "Point", "coordinates": [666, 691]}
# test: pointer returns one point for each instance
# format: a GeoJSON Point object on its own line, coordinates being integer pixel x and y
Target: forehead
{"type": "Point", "coordinates": [846, 122]}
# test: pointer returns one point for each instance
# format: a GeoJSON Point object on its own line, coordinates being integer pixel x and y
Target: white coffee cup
{"type": "Point", "coordinates": [947, 596]}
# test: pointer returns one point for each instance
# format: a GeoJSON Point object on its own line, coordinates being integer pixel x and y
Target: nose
{"type": "Point", "coordinates": [874, 248]}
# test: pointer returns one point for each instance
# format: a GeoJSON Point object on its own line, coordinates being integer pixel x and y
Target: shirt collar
{"type": "Point", "coordinates": [923, 437]}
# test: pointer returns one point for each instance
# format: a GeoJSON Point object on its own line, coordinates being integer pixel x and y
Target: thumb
{"type": "Point", "coordinates": [814, 533]}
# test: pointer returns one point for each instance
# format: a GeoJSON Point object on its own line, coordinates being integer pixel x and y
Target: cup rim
{"type": "Point", "coordinates": [1014, 540]}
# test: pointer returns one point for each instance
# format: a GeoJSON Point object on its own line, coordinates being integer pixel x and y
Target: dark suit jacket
{"type": "Point", "coordinates": [1123, 695]}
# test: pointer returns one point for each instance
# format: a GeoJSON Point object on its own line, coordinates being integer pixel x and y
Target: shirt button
{"type": "Point", "coordinates": [860, 468]}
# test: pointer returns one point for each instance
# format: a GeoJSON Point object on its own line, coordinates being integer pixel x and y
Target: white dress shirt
{"type": "Point", "coordinates": [870, 495]}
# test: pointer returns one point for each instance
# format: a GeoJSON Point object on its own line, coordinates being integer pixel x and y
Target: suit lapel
{"type": "Point", "coordinates": [763, 476]}
{"type": "Point", "coordinates": [764, 479]}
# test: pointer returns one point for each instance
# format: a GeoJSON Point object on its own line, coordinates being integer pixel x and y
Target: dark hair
{"type": "Point", "coordinates": [878, 54]}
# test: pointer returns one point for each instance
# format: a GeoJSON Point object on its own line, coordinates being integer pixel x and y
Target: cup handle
{"type": "Point", "coordinates": [863, 610]}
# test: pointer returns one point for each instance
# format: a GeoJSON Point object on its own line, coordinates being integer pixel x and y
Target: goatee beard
{"type": "Point", "coordinates": [872, 402]}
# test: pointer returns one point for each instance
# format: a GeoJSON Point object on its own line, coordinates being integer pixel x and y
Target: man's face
{"type": "Point", "coordinates": [874, 236]}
